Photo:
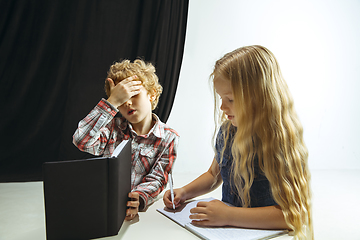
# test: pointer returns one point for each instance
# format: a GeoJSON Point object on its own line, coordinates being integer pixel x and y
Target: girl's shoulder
{"type": "Point", "coordinates": [223, 144]}
{"type": "Point", "coordinates": [226, 130]}
{"type": "Point", "coordinates": [225, 136]}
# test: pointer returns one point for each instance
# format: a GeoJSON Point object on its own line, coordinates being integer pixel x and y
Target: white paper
{"type": "Point", "coordinates": [233, 233]}
{"type": "Point", "coordinates": [181, 216]}
{"type": "Point", "coordinates": [119, 148]}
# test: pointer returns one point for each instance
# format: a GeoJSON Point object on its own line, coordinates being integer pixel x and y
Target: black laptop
{"type": "Point", "coordinates": [86, 199]}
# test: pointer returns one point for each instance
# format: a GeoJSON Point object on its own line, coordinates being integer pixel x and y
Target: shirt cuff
{"type": "Point", "coordinates": [143, 203]}
{"type": "Point", "coordinates": [107, 107]}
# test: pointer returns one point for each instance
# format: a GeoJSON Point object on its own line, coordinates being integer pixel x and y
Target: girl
{"type": "Point", "coordinates": [261, 158]}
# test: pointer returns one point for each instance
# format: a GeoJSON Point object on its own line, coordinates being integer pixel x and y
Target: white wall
{"type": "Point", "coordinates": [317, 45]}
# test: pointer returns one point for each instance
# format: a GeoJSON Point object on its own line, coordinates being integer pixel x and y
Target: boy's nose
{"type": "Point", "coordinates": [128, 103]}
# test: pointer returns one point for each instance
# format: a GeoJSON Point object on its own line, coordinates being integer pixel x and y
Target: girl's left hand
{"type": "Point", "coordinates": [213, 213]}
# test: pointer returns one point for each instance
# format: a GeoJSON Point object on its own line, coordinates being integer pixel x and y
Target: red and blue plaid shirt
{"type": "Point", "coordinates": [153, 154]}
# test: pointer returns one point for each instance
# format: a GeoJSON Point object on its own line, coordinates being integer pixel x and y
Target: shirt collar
{"type": "Point", "coordinates": [156, 130]}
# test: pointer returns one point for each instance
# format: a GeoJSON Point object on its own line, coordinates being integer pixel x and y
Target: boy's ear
{"type": "Point", "coordinates": [152, 96]}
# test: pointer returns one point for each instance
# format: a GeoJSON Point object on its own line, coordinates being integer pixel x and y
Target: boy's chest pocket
{"type": "Point", "coordinates": [145, 161]}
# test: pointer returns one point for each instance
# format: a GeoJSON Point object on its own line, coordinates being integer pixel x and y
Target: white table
{"type": "Point", "coordinates": [336, 210]}
{"type": "Point", "coordinates": [22, 216]}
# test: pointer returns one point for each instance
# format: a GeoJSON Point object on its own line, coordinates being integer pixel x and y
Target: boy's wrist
{"type": "Point", "coordinates": [116, 104]}
{"type": "Point", "coordinates": [142, 203]}
{"type": "Point", "coordinates": [109, 105]}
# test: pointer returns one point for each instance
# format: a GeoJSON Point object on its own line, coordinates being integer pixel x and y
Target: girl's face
{"type": "Point", "coordinates": [223, 88]}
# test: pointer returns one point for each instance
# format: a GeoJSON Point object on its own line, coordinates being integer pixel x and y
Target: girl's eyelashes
{"type": "Point", "coordinates": [230, 100]}
{"type": "Point", "coordinates": [227, 99]}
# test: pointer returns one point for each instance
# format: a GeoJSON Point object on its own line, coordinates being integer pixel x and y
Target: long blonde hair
{"type": "Point", "coordinates": [267, 127]}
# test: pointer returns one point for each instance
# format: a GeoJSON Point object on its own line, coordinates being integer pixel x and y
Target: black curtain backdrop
{"type": "Point", "coordinates": [54, 59]}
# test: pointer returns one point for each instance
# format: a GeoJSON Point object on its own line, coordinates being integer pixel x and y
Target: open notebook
{"type": "Point", "coordinates": [181, 216]}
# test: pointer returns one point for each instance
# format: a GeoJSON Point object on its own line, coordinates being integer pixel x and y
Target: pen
{"type": "Point", "coordinates": [171, 190]}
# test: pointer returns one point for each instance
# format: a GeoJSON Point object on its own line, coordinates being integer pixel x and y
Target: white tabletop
{"type": "Point", "coordinates": [336, 210]}
{"type": "Point", "coordinates": [23, 216]}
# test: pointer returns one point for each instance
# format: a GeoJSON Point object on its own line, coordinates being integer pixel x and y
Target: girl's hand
{"type": "Point", "coordinates": [133, 205]}
{"type": "Point", "coordinates": [124, 90]}
{"type": "Point", "coordinates": [213, 213]}
{"type": "Point", "coordinates": [179, 198]}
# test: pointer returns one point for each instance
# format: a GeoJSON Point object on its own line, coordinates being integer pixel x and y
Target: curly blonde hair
{"type": "Point", "coordinates": [267, 126]}
{"type": "Point", "coordinates": [145, 72]}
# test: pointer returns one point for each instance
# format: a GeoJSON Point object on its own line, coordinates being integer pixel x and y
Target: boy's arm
{"type": "Point", "coordinates": [155, 181]}
{"type": "Point", "coordinates": [94, 130]}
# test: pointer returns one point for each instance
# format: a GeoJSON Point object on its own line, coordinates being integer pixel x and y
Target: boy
{"type": "Point", "coordinates": [133, 90]}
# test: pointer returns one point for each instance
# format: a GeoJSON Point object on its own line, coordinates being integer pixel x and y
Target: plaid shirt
{"type": "Point", "coordinates": [153, 154]}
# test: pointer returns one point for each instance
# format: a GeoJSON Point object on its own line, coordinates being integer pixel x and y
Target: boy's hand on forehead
{"type": "Point", "coordinates": [124, 90]}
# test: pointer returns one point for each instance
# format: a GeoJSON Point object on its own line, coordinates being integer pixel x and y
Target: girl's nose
{"type": "Point", "coordinates": [222, 106]}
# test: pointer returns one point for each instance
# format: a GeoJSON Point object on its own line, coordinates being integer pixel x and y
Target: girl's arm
{"type": "Point", "coordinates": [217, 213]}
{"type": "Point", "coordinates": [207, 182]}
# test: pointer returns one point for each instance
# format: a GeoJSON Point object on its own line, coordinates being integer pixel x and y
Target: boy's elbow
{"type": "Point", "coordinates": [75, 140]}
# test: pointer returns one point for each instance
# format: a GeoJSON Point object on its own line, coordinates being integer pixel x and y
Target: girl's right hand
{"type": "Point", "coordinates": [124, 90]}
{"type": "Point", "coordinates": [179, 198]}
